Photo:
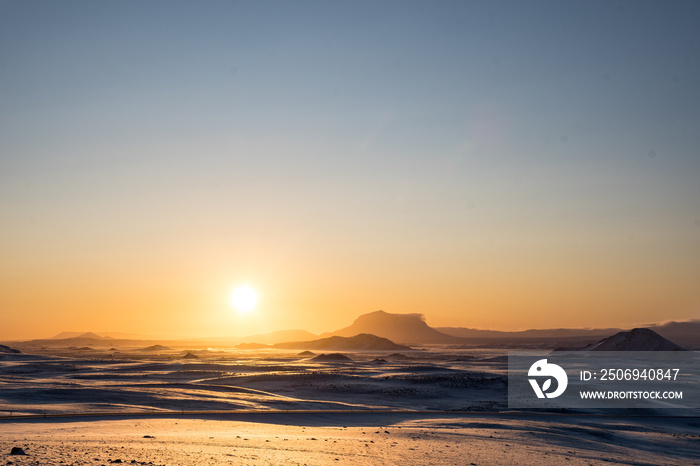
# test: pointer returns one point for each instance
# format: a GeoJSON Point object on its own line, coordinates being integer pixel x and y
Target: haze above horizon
{"type": "Point", "coordinates": [500, 165]}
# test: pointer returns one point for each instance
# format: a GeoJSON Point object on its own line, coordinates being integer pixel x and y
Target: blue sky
{"type": "Point", "coordinates": [426, 155]}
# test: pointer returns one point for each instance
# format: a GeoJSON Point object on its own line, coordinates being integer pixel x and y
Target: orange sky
{"type": "Point", "coordinates": [314, 287]}
{"type": "Point", "coordinates": [473, 163]}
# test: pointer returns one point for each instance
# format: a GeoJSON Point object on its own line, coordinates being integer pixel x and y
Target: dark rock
{"type": "Point", "coordinates": [17, 451]}
{"type": "Point", "coordinates": [333, 357]}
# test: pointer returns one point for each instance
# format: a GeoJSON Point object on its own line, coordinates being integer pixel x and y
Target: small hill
{"type": "Point", "coordinates": [306, 353]}
{"type": "Point", "coordinates": [638, 339]}
{"type": "Point", "coordinates": [155, 348]}
{"type": "Point", "coordinates": [190, 356]}
{"type": "Point", "coordinates": [402, 328]}
{"type": "Point", "coordinates": [333, 357]}
{"type": "Point", "coordinates": [7, 349]}
{"type": "Point", "coordinates": [359, 342]}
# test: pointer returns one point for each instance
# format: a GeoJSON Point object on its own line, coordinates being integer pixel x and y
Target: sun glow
{"type": "Point", "coordinates": [244, 299]}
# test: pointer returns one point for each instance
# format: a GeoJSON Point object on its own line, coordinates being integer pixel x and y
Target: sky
{"type": "Point", "coordinates": [501, 165]}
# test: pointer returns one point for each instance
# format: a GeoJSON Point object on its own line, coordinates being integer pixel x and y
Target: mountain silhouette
{"type": "Point", "coordinates": [404, 329]}
{"type": "Point", "coordinates": [686, 334]}
{"type": "Point", "coordinates": [359, 342]}
{"type": "Point", "coordinates": [638, 339]}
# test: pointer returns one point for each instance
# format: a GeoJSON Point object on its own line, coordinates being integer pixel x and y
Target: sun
{"type": "Point", "coordinates": [244, 299]}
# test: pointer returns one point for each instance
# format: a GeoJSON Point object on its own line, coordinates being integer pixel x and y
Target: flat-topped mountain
{"type": "Point", "coordinates": [401, 328]}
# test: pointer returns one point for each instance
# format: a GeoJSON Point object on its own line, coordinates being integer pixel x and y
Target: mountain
{"type": "Point", "coordinates": [359, 342]}
{"type": "Point", "coordinates": [402, 328]}
{"type": "Point", "coordinates": [686, 334]}
{"type": "Point", "coordinates": [638, 339]}
{"type": "Point", "coordinates": [526, 334]}
{"type": "Point", "coordinates": [133, 338]}
{"type": "Point", "coordinates": [64, 335]}
{"type": "Point", "coordinates": [115, 336]}
{"type": "Point", "coordinates": [90, 335]}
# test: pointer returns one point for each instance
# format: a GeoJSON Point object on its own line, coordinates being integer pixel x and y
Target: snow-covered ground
{"type": "Point", "coordinates": [373, 411]}
{"type": "Point", "coordinates": [425, 380]}
{"type": "Point", "coordinates": [313, 439]}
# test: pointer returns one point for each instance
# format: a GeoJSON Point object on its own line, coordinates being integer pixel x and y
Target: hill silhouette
{"type": "Point", "coordinates": [333, 357]}
{"type": "Point", "coordinates": [84, 335]}
{"type": "Point", "coordinates": [534, 334]}
{"type": "Point", "coordinates": [359, 342]}
{"type": "Point", "coordinates": [686, 334]}
{"type": "Point", "coordinates": [64, 335]}
{"type": "Point", "coordinates": [638, 339]}
{"type": "Point", "coordinates": [156, 348]}
{"type": "Point", "coordinates": [405, 329]}
{"type": "Point", "coordinates": [7, 349]}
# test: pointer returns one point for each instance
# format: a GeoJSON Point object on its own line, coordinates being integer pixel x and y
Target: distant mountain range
{"type": "Point", "coordinates": [399, 329]}
{"type": "Point", "coordinates": [683, 333]}
{"type": "Point", "coordinates": [478, 334]}
{"type": "Point", "coordinates": [267, 338]}
{"type": "Point", "coordinates": [114, 336]}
